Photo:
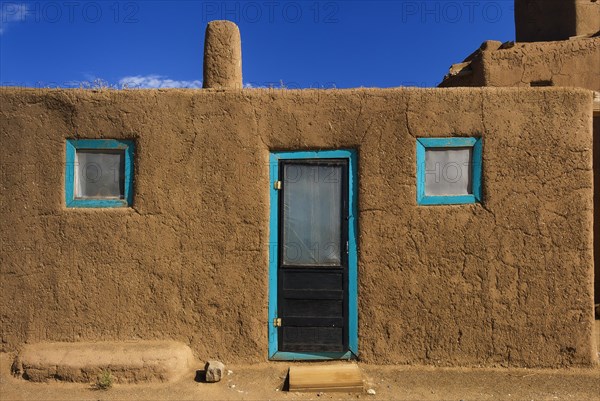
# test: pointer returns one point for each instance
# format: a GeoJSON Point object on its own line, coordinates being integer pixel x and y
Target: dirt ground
{"type": "Point", "coordinates": [264, 382]}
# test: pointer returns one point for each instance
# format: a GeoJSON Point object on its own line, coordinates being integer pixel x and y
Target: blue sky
{"type": "Point", "coordinates": [299, 44]}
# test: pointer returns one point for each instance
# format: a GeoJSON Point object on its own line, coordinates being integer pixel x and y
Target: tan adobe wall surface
{"type": "Point", "coordinates": [572, 63]}
{"type": "Point", "coordinates": [506, 282]}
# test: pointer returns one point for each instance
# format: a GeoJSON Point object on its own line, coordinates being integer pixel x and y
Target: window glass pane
{"type": "Point", "coordinates": [448, 171]}
{"type": "Point", "coordinates": [312, 214]}
{"type": "Point", "coordinates": [99, 174]}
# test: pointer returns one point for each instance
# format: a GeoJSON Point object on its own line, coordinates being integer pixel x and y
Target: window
{"type": "Point", "coordinates": [312, 213]}
{"type": "Point", "coordinates": [99, 173]}
{"type": "Point", "coordinates": [448, 171]}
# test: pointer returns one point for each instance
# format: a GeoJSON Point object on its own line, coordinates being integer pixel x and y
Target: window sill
{"type": "Point", "coordinates": [447, 200]}
{"type": "Point", "coordinates": [98, 203]}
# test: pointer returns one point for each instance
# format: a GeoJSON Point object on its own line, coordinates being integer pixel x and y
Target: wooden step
{"type": "Point", "coordinates": [327, 378]}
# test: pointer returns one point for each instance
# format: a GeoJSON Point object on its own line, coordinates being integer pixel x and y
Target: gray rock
{"type": "Point", "coordinates": [17, 367]}
{"type": "Point", "coordinates": [214, 371]}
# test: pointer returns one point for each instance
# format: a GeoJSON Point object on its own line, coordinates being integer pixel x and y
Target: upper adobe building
{"type": "Point", "coordinates": [541, 21]}
{"type": "Point", "coordinates": [558, 44]}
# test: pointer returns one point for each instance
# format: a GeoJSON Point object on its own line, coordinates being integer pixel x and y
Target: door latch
{"type": "Point", "coordinates": [277, 322]}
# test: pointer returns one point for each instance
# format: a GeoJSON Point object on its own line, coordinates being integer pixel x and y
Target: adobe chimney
{"type": "Point", "coordinates": [222, 56]}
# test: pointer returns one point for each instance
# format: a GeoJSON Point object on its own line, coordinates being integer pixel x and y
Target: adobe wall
{"type": "Point", "coordinates": [549, 20]}
{"type": "Point", "coordinates": [572, 63]}
{"type": "Point", "coordinates": [505, 282]}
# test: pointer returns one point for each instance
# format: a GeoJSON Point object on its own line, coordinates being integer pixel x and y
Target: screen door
{"type": "Point", "coordinates": [312, 300]}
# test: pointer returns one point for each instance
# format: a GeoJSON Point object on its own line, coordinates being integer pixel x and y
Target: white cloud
{"type": "Point", "coordinates": [156, 81]}
{"type": "Point", "coordinates": [11, 12]}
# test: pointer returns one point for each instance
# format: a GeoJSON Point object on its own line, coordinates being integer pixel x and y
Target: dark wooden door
{"type": "Point", "coordinates": [313, 255]}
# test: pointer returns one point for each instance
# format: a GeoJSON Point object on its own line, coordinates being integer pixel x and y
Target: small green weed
{"type": "Point", "coordinates": [104, 381]}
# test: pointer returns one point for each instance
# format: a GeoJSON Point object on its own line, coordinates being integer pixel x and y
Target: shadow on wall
{"type": "Point", "coordinates": [596, 162]}
{"type": "Point", "coordinates": [543, 20]}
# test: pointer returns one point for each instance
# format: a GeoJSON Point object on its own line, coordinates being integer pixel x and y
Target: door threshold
{"type": "Point", "coordinates": [312, 356]}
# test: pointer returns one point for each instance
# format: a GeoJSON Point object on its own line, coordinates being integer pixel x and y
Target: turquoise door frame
{"type": "Point", "coordinates": [274, 158]}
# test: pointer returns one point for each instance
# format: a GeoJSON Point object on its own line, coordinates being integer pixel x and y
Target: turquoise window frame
{"type": "Point", "coordinates": [98, 144]}
{"type": "Point", "coordinates": [351, 156]}
{"type": "Point", "coordinates": [443, 143]}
